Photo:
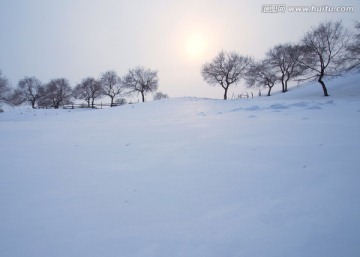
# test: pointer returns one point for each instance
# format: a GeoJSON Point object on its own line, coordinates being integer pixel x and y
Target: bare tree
{"type": "Point", "coordinates": [141, 80]}
{"type": "Point", "coordinates": [56, 93]}
{"type": "Point", "coordinates": [89, 89]}
{"type": "Point", "coordinates": [5, 89]}
{"type": "Point", "coordinates": [120, 101]}
{"type": "Point", "coordinates": [111, 84]}
{"type": "Point", "coordinates": [286, 60]}
{"type": "Point", "coordinates": [354, 49]}
{"type": "Point", "coordinates": [262, 74]}
{"type": "Point", "coordinates": [30, 89]}
{"type": "Point", "coordinates": [82, 92]}
{"type": "Point", "coordinates": [324, 51]}
{"type": "Point", "coordinates": [159, 96]}
{"type": "Point", "coordinates": [225, 69]}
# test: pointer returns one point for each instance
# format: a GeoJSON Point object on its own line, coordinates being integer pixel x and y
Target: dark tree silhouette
{"type": "Point", "coordinates": [89, 89]}
{"type": "Point", "coordinates": [354, 49]}
{"type": "Point", "coordinates": [262, 74]}
{"type": "Point", "coordinates": [286, 61]}
{"type": "Point", "coordinates": [111, 84]}
{"type": "Point", "coordinates": [225, 69]}
{"type": "Point", "coordinates": [159, 96]}
{"type": "Point", "coordinates": [5, 89]}
{"type": "Point", "coordinates": [325, 51]}
{"type": "Point", "coordinates": [30, 89]}
{"type": "Point", "coordinates": [120, 101]}
{"type": "Point", "coordinates": [56, 93]}
{"type": "Point", "coordinates": [141, 80]}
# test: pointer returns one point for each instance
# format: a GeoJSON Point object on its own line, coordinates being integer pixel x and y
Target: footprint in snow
{"type": "Point", "coordinates": [252, 116]}
{"type": "Point", "coordinates": [253, 108]}
{"type": "Point", "coordinates": [278, 106]}
{"type": "Point", "coordinates": [299, 104]}
{"type": "Point", "coordinates": [314, 108]}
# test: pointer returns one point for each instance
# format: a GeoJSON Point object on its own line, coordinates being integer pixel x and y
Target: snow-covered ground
{"type": "Point", "coordinates": [271, 176]}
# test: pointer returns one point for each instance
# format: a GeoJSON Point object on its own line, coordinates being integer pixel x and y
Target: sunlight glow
{"type": "Point", "coordinates": [195, 45]}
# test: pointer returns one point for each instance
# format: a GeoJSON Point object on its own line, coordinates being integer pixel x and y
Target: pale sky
{"type": "Point", "coordinates": [80, 38]}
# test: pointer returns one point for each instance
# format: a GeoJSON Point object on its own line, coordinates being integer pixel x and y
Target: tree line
{"type": "Point", "coordinates": [58, 92]}
{"type": "Point", "coordinates": [325, 51]}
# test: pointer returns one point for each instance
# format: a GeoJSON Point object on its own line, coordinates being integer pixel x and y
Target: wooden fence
{"type": "Point", "coordinates": [95, 106]}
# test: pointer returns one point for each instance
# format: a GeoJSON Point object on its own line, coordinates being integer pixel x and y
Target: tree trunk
{"type": "Point", "coordinates": [286, 81]}
{"type": "Point", "coordinates": [33, 104]}
{"type": "Point", "coordinates": [269, 92]}
{"type": "Point", "coordinates": [323, 85]}
{"type": "Point", "coordinates": [92, 103]}
{"type": "Point", "coordinates": [283, 83]}
{"type": "Point", "coordinates": [112, 101]}
{"type": "Point", "coordinates": [143, 96]}
{"type": "Point", "coordinates": [225, 94]}
{"type": "Point", "coordinates": [56, 105]}
{"type": "Point", "coordinates": [286, 85]}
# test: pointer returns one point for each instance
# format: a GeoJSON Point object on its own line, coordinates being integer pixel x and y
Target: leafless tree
{"type": "Point", "coordinates": [286, 61]}
{"type": "Point", "coordinates": [89, 89]}
{"type": "Point", "coordinates": [225, 69]}
{"type": "Point", "coordinates": [159, 96]}
{"type": "Point", "coordinates": [111, 84]}
{"type": "Point", "coordinates": [324, 51]}
{"type": "Point", "coordinates": [120, 101]}
{"type": "Point", "coordinates": [30, 89]}
{"type": "Point", "coordinates": [82, 92]}
{"type": "Point", "coordinates": [5, 89]}
{"type": "Point", "coordinates": [262, 74]}
{"type": "Point", "coordinates": [354, 49]}
{"type": "Point", "coordinates": [141, 80]}
{"type": "Point", "coordinates": [56, 93]}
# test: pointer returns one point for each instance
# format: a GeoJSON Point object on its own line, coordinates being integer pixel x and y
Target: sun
{"type": "Point", "coordinates": [195, 45]}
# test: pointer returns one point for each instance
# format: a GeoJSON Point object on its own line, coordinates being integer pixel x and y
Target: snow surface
{"type": "Point", "coordinates": [271, 176]}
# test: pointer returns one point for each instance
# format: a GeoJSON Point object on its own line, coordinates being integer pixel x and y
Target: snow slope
{"type": "Point", "coordinates": [272, 176]}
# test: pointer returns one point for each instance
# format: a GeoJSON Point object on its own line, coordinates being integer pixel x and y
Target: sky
{"type": "Point", "coordinates": [76, 39]}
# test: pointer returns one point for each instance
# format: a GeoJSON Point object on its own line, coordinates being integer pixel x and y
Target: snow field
{"type": "Point", "coordinates": [272, 176]}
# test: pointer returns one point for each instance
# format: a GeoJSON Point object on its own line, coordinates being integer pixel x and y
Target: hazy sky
{"type": "Point", "coordinates": [79, 38]}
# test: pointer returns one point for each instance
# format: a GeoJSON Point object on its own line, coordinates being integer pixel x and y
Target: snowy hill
{"type": "Point", "coordinates": [271, 176]}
